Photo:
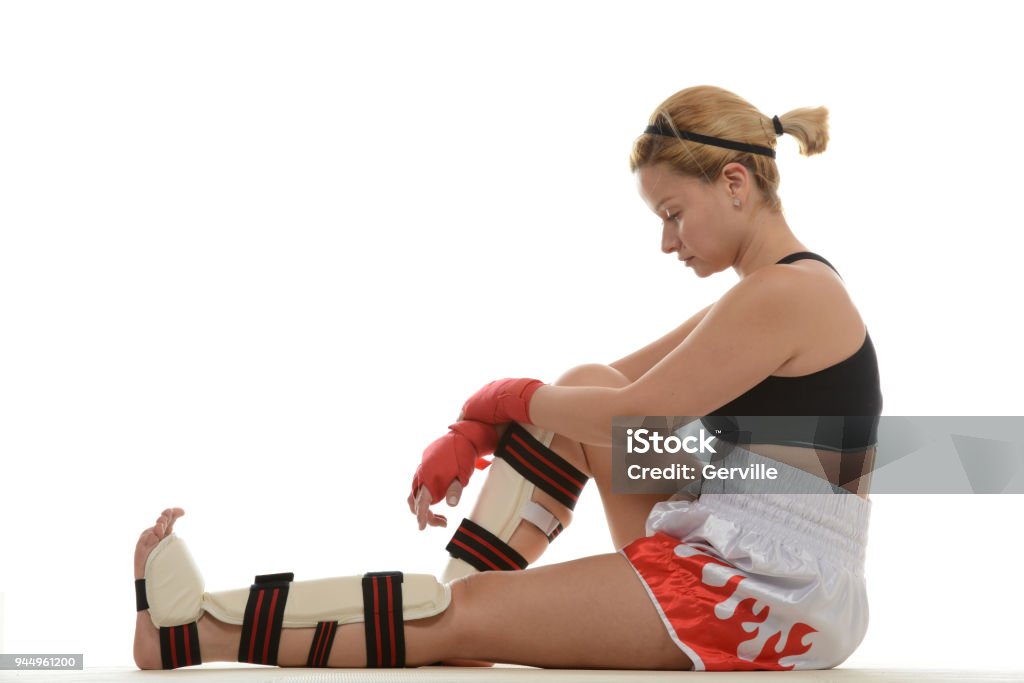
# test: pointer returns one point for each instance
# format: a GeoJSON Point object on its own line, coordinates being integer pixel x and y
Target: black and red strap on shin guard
{"type": "Point", "coordinates": [483, 550]}
{"type": "Point", "coordinates": [264, 613]}
{"type": "Point", "coordinates": [383, 622]}
{"type": "Point", "coordinates": [383, 614]}
{"type": "Point", "coordinates": [320, 648]}
{"type": "Point", "coordinates": [540, 465]}
{"type": "Point", "coordinates": [179, 645]}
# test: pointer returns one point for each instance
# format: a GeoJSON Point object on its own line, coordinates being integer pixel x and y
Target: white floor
{"type": "Point", "coordinates": [225, 673]}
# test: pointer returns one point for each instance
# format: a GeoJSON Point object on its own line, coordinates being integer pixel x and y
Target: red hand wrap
{"type": "Point", "coordinates": [503, 400]}
{"type": "Point", "coordinates": [452, 457]}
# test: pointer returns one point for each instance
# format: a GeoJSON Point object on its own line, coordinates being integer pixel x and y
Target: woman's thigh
{"type": "Point", "coordinates": [593, 612]}
{"type": "Point", "coordinates": [626, 513]}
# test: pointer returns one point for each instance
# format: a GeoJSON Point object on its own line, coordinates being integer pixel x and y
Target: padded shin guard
{"type": "Point", "coordinates": [174, 594]}
{"type": "Point", "coordinates": [522, 462]}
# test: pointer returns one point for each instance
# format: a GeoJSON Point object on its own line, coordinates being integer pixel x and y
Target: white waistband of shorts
{"type": "Point", "coordinates": [830, 518]}
{"type": "Point", "coordinates": [832, 524]}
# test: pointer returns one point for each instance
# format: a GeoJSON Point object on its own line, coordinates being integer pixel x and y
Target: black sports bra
{"type": "Point", "coordinates": [835, 409]}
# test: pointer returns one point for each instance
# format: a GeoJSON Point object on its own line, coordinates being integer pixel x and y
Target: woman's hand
{"type": "Point", "coordinates": [446, 466]}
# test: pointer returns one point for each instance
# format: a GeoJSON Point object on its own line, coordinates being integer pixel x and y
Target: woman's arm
{"type": "Point", "coordinates": [755, 328]}
{"type": "Point", "coordinates": [639, 362]}
{"type": "Point", "coordinates": [583, 414]}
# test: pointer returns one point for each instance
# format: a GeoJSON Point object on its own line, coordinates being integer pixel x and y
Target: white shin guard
{"type": "Point", "coordinates": [522, 462]}
{"type": "Point", "coordinates": [173, 592]}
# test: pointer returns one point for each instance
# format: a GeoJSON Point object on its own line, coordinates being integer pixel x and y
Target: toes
{"type": "Point", "coordinates": [164, 524]}
{"type": "Point", "coordinates": [152, 536]}
{"type": "Point", "coordinates": [172, 517]}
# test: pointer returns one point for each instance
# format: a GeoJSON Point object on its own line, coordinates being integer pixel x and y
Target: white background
{"type": "Point", "coordinates": [255, 255]}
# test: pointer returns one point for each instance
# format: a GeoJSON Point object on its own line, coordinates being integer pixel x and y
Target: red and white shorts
{"type": "Point", "coordinates": [758, 581]}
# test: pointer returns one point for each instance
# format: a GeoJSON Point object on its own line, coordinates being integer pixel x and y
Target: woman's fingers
{"type": "Point", "coordinates": [420, 506]}
{"type": "Point", "coordinates": [423, 513]}
{"type": "Point", "coordinates": [454, 493]}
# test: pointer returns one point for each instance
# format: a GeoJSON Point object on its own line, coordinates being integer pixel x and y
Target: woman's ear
{"type": "Point", "coordinates": [737, 180]}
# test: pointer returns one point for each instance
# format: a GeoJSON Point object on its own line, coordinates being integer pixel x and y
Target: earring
{"type": "Point", "coordinates": [736, 202]}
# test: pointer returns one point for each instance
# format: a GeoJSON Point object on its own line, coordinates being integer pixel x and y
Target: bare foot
{"type": "Point", "coordinates": [147, 636]}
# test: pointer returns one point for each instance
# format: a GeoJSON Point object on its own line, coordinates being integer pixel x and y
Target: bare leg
{"type": "Point", "coordinates": [626, 514]}
{"type": "Point", "coordinates": [588, 613]}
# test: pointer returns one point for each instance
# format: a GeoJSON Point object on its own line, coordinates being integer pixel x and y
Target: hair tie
{"type": "Point", "coordinates": [778, 125]}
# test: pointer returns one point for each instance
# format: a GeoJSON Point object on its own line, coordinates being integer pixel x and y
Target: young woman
{"type": "Point", "coordinates": [728, 580]}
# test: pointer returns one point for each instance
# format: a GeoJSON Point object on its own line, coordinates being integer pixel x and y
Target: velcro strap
{"type": "Point", "coordinates": [141, 602]}
{"type": "Point", "coordinates": [320, 648]}
{"type": "Point", "coordinates": [261, 625]}
{"type": "Point", "coordinates": [383, 617]}
{"type": "Point", "coordinates": [537, 515]}
{"type": "Point", "coordinates": [483, 550]}
{"type": "Point", "coordinates": [179, 646]}
{"type": "Point", "coordinates": [540, 465]}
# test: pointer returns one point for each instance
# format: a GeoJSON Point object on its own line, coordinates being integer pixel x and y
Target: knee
{"type": "Point", "coordinates": [592, 375]}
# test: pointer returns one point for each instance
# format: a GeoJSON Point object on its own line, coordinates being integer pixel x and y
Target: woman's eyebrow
{"type": "Point", "coordinates": [661, 204]}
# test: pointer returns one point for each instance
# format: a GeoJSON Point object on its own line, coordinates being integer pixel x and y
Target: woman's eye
{"type": "Point", "coordinates": [673, 217]}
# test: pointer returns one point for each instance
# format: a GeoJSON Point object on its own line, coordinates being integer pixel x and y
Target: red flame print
{"type": "Point", "coordinates": [701, 596]}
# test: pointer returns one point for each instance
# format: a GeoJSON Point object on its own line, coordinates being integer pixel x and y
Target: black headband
{"type": "Point", "coordinates": [659, 129]}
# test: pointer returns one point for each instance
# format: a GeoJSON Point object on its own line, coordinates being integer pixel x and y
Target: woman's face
{"type": "Point", "coordinates": [694, 215]}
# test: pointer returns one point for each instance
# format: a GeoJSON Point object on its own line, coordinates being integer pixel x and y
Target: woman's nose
{"type": "Point", "coordinates": [669, 241]}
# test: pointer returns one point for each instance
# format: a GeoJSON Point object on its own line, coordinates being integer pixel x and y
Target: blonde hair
{"type": "Point", "coordinates": [708, 110]}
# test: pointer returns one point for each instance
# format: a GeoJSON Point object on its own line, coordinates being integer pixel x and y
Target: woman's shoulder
{"type": "Point", "coordinates": [803, 286]}
{"type": "Point", "coordinates": [824, 324]}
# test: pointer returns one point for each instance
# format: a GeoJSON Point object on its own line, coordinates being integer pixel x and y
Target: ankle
{"type": "Point", "coordinates": [218, 641]}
